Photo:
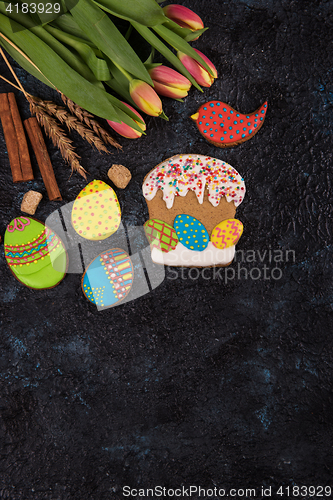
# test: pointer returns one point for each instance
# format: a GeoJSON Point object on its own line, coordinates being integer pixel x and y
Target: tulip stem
{"type": "Point", "coordinates": [124, 72]}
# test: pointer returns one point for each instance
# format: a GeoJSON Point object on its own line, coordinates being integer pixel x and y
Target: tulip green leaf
{"type": "Point", "coordinates": [66, 23]}
{"type": "Point", "coordinates": [185, 33]}
{"type": "Point", "coordinates": [115, 85]}
{"type": "Point", "coordinates": [194, 35]}
{"type": "Point", "coordinates": [24, 62]}
{"type": "Point", "coordinates": [179, 44]}
{"type": "Point", "coordinates": [145, 12]}
{"type": "Point", "coordinates": [25, 19]}
{"type": "Point", "coordinates": [152, 66]}
{"type": "Point", "coordinates": [151, 38]}
{"type": "Point", "coordinates": [58, 72]}
{"type": "Point", "coordinates": [182, 32]}
{"type": "Point", "coordinates": [97, 65]}
{"type": "Point", "coordinates": [104, 34]}
{"type": "Point", "coordinates": [119, 84]}
{"type": "Point", "coordinates": [73, 60]}
{"type": "Point", "coordinates": [150, 59]}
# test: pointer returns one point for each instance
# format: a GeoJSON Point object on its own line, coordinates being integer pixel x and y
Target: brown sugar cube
{"type": "Point", "coordinates": [119, 175]}
{"type": "Point", "coordinates": [30, 202]}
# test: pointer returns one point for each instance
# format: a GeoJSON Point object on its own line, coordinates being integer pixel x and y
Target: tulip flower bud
{"type": "Point", "coordinates": [184, 17]}
{"type": "Point", "coordinates": [199, 73]}
{"type": "Point", "coordinates": [145, 97]}
{"type": "Point", "coordinates": [169, 83]}
{"type": "Point", "coordinates": [124, 129]}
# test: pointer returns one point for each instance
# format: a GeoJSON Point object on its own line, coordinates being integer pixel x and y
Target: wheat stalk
{"type": "Point", "coordinates": [72, 123]}
{"type": "Point", "coordinates": [56, 134]}
{"type": "Point", "coordinates": [83, 122]}
{"type": "Point", "coordinates": [89, 120]}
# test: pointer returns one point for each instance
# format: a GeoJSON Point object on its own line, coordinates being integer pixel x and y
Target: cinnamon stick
{"type": "Point", "coordinates": [26, 167]}
{"type": "Point", "coordinates": [43, 159]}
{"type": "Point", "coordinates": [10, 138]}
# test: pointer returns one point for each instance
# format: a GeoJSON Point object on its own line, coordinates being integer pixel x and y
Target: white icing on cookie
{"type": "Point", "coordinates": [181, 256]}
{"type": "Point", "coordinates": [182, 173]}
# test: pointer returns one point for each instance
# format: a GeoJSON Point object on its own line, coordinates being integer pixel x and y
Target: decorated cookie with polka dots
{"type": "Point", "coordinates": [191, 233]}
{"type": "Point", "coordinates": [96, 211]}
{"type": "Point", "coordinates": [224, 127]}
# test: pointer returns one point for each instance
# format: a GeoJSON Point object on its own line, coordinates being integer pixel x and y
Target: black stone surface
{"type": "Point", "coordinates": [208, 382]}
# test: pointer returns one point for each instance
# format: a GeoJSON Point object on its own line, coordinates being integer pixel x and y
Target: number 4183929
{"type": "Point", "coordinates": [304, 491]}
{"type": "Point", "coordinates": [33, 8]}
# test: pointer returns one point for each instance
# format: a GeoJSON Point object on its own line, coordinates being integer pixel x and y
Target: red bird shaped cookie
{"type": "Point", "coordinates": [223, 126]}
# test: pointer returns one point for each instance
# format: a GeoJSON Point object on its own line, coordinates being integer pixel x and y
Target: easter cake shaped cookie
{"type": "Point", "coordinates": [34, 253]}
{"type": "Point", "coordinates": [192, 201]}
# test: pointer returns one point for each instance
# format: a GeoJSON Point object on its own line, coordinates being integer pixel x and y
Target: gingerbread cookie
{"type": "Point", "coordinates": [35, 254]}
{"type": "Point", "coordinates": [108, 278]}
{"type": "Point", "coordinates": [96, 212]}
{"type": "Point", "coordinates": [192, 202]}
{"type": "Point", "coordinates": [119, 175]}
{"type": "Point", "coordinates": [224, 127]}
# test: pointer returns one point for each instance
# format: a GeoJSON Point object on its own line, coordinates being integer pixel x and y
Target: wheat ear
{"type": "Point", "coordinates": [56, 134]}
{"type": "Point", "coordinates": [72, 123]}
{"type": "Point", "coordinates": [89, 120]}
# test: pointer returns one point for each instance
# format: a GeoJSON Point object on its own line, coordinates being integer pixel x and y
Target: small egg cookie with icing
{"type": "Point", "coordinates": [96, 211]}
{"type": "Point", "coordinates": [34, 253]}
{"type": "Point", "coordinates": [108, 279]}
{"type": "Point", "coordinates": [224, 127]}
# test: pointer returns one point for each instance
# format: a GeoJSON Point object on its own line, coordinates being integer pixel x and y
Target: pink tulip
{"type": "Point", "coordinates": [169, 82]}
{"type": "Point", "coordinates": [145, 97]}
{"type": "Point", "coordinates": [126, 130]}
{"type": "Point", "coordinates": [199, 73]}
{"type": "Point", "coordinates": [183, 16]}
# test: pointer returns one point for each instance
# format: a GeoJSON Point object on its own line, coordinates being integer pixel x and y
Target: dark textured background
{"type": "Point", "coordinates": [199, 382]}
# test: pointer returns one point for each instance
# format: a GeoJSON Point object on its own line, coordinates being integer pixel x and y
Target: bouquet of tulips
{"type": "Point", "coordinates": [80, 51]}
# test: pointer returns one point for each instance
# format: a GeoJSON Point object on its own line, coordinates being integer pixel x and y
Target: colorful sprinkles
{"type": "Point", "coordinates": [181, 173]}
